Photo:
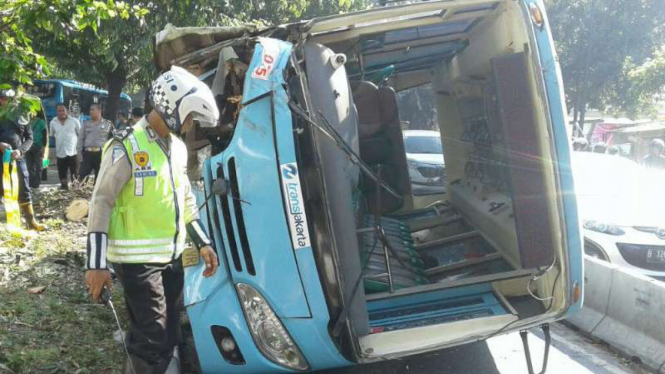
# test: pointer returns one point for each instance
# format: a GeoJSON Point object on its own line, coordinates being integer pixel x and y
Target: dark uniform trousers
{"type": "Point", "coordinates": [24, 193]}
{"type": "Point", "coordinates": [153, 294]}
{"type": "Point", "coordinates": [91, 162]}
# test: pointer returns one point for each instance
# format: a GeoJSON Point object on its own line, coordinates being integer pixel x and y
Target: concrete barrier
{"type": "Point", "coordinates": [626, 310]}
{"type": "Point", "coordinates": [635, 319]}
{"type": "Point", "coordinates": [598, 285]}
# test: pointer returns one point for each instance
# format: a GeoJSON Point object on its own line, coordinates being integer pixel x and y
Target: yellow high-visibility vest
{"type": "Point", "coordinates": [148, 221]}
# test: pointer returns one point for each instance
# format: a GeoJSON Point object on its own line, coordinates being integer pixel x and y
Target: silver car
{"type": "Point", "coordinates": [424, 154]}
{"type": "Point", "coordinates": [622, 205]}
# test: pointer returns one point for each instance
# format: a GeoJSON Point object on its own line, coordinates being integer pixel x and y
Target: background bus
{"type": "Point", "coordinates": [76, 95]}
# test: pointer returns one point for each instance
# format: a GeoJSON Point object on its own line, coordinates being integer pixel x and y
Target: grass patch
{"type": "Point", "coordinates": [59, 330]}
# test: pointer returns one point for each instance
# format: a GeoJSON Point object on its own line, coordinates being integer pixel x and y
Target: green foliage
{"type": "Point", "coordinates": [21, 103]}
{"type": "Point", "coordinates": [60, 19]}
{"type": "Point", "coordinates": [109, 43]}
{"type": "Point", "coordinates": [19, 62]}
{"type": "Point", "coordinates": [642, 84]}
{"type": "Point", "coordinates": [600, 43]}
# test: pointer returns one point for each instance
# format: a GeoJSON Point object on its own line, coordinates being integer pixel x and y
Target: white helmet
{"type": "Point", "coordinates": [178, 93]}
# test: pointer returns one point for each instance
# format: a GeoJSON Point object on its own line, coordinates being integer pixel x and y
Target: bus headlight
{"type": "Point", "coordinates": [267, 330]}
{"type": "Point", "coordinates": [604, 228]}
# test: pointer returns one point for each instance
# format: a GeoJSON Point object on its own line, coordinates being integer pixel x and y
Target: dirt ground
{"type": "Point", "coordinates": [48, 323]}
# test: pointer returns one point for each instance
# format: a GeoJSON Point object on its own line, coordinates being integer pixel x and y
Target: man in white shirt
{"type": "Point", "coordinates": [65, 130]}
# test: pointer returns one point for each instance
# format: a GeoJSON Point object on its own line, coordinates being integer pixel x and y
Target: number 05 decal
{"type": "Point", "coordinates": [269, 57]}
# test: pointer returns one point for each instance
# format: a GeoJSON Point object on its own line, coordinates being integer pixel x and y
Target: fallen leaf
{"type": "Point", "coordinates": [36, 290]}
{"type": "Point", "coordinates": [19, 323]}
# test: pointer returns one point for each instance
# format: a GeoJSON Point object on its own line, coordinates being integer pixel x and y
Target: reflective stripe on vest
{"type": "Point", "coordinates": [143, 223]}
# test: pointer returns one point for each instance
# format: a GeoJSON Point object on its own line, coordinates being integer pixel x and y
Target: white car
{"type": "Point", "coordinates": [622, 207]}
{"type": "Point", "coordinates": [424, 154]}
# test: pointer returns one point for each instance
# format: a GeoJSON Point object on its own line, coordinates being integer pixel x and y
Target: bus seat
{"type": "Point", "coordinates": [393, 130]}
{"type": "Point", "coordinates": [381, 142]}
{"type": "Point", "coordinates": [377, 149]}
{"type": "Point", "coordinates": [365, 96]}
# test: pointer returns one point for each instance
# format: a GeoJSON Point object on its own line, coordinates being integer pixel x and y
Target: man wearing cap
{"type": "Point", "coordinates": [94, 134]}
{"type": "Point", "coordinates": [16, 137]}
{"type": "Point", "coordinates": [655, 159]}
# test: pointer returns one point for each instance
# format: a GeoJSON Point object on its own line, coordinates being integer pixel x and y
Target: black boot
{"type": "Point", "coordinates": [136, 365]}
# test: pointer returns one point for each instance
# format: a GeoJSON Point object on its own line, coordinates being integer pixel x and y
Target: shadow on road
{"type": "Point", "coordinates": [472, 358]}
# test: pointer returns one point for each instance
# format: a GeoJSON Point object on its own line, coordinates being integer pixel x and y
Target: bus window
{"type": "Point", "coordinates": [79, 100]}
{"type": "Point", "coordinates": [125, 106]}
{"type": "Point", "coordinates": [42, 90]}
{"type": "Point", "coordinates": [72, 99]}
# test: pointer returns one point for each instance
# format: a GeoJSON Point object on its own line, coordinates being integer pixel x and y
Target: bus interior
{"type": "Point", "coordinates": [489, 254]}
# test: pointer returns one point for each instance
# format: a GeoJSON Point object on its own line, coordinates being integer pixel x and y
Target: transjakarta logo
{"type": "Point", "coordinates": [295, 206]}
{"type": "Point", "coordinates": [290, 171]}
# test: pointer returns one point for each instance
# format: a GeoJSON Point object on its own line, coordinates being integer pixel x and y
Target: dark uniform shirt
{"type": "Point", "coordinates": [17, 136]}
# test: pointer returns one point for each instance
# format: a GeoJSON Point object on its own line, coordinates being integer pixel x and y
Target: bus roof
{"type": "Point", "coordinates": [81, 85]}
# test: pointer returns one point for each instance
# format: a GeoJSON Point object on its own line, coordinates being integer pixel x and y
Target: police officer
{"type": "Point", "coordinates": [16, 137]}
{"type": "Point", "coordinates": [94, 133]}
{"type": "Point", "coordinates": [141, 208]}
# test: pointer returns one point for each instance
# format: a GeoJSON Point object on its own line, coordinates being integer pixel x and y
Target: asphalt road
{"type": "Point", "coordinates": [570, 354]}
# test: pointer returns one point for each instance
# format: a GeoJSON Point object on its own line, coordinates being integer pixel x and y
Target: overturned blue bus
{"type": "Point", "coordinates": [327, 258]}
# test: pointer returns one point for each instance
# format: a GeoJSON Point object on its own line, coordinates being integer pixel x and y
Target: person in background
{"type": "Point", "coordinates": [16, 137]}
{"type": "Point", "coordinates": [137, 114]}
{"type": "Point", "coordinates": [122, 121]}
{"type": "Point", "coordinates": [656, 158]}
{"type": "Point", "coordinates": [94, 134]}
{"type": "Point", "coordinates": [65, 129]}
{"type": "Point", "coordinates": [35, 156]}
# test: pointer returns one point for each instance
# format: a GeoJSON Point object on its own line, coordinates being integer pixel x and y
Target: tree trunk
{"type": "Point", "coordinates": [115, 82]}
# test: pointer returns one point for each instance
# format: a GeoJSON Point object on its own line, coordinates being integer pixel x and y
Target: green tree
{"type": "Point", "coordinates": [19, 62]}
{"type": "Point", "coordinates": [118, 54]}
{"type": "Point", "coordinates": [642, 84]}
{"type": "Point", "coordinates": [599, 43]}
{"type": "Point", "coordinates": [107, 54]}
